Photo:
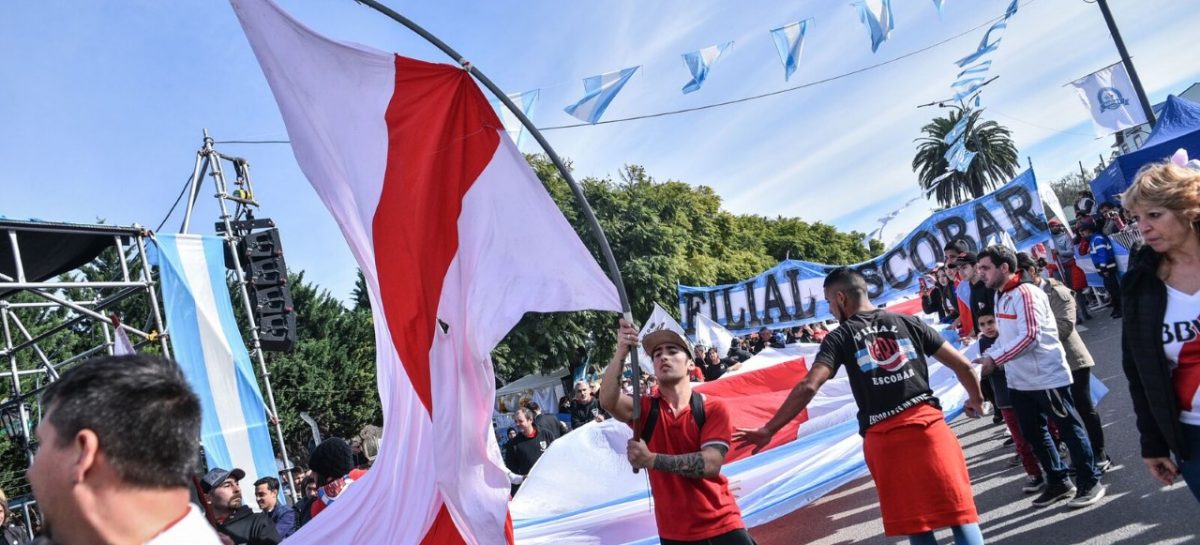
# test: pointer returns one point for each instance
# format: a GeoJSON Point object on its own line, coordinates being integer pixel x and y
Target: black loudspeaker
{"type": "Point", "coordinates": [261, 254]}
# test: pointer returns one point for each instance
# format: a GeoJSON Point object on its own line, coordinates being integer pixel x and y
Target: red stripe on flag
{"type": "Point", "coordinates": [443, 531]}
{"type": "Point", "coordinates": [753, 397]}
{"type": "Point", "coordinates": [440, 138]}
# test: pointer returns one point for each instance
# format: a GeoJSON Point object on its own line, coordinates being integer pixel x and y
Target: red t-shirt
{"type": "Point", "coordinates": [691, 509]}
{"type": "Point", "coordinates": [696, 375]}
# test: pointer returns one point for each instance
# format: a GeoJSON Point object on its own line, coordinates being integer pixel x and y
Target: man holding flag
{"type": "Point", "coordinates": [681, 439]}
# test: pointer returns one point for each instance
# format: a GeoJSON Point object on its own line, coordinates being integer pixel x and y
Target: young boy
{"type": "Point", "coordinates": [1035, 481]}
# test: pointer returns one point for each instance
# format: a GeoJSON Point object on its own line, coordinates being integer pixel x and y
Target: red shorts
{"type": "Point", "coordinates": [920, 473]}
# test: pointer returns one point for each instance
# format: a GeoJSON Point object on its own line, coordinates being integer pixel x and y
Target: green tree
{"type": "Point", "coordinates": [996, 161]}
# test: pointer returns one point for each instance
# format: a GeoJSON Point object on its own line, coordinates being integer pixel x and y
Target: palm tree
{"type": "Point", "coordinates": [995, 163]}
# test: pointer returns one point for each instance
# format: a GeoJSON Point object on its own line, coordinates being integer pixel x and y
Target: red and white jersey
{"type": "Point", "coordinates": [1181, 327]}
{"type": "Point", "coordinates": [1028, 345]}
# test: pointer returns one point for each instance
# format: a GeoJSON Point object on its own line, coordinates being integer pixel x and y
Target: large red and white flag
{"type": "Point", "coordinates": [457, 239]}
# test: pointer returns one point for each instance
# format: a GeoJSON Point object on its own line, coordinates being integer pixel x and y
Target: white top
{"type": "Point", "coordinates": [1181, 325]}
{"type": "Point", "coordinates": [192, 529]}
{"type": "Point", "coordinates": [1028, 345]}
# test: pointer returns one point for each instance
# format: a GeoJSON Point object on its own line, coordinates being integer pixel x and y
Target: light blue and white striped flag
{"type": "Point", "coordinates": [210, 351]}
{"type": "Point", "coordinates": [958, 157]}
{"type": "Point", "coordinates": [526, 101]}
{"type": "Point", "coordinates": [599, 91]}
{"type": "Point", "coordinates": [877, 16]}
{"type": "Point", "coordinates": [789, 41]}
{"type": "Point", "coordinates": [939, 4]}
{"type": "Point", "coordinates": [958, 129]}
{"type": "Point", "coordinates": [700, 63]}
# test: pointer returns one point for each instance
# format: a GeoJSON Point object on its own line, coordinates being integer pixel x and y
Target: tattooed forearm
{"type": "Point", "coordinates": [688, 465]}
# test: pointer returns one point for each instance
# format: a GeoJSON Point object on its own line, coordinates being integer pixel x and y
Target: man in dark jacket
{"type": "Point", "coordinates": [235, 520]}
{"type": "Point", "coordinates": [547, 424]}
{"type": "Point", "coordinates": [266, 493]}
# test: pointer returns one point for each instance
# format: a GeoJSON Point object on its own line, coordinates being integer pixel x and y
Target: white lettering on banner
{"type": "Point", "coordinates": [791, 293]}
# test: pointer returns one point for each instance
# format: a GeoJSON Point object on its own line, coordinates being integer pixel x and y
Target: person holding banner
{"type": "Point", "coordinates": [1161, 348]}
{"type": "Point", "coordinates": [913, 456]}
{"type": "Point", "coordinates": [682, 441]}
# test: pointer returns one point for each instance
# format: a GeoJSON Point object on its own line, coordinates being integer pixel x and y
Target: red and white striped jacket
{"type": "Point", "coordinates": [1028, 345]}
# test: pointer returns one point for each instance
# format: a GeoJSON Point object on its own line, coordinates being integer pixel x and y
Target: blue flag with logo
{"type": "Point", "coordinates": [599, 91]}
{"type": "Point", "coordinates": [877, 16]}
{"type": "Point", "coordinates": [700, 63]}
{"type": "Point", "coordinates": [512, 125]}
{"type": "Point", "coordinates": [789, 40]}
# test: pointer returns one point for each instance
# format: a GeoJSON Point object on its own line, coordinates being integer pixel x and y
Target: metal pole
{"type": "Point", "coordinates": [231, 240]}
{"type": "Point", "coordinates": [16, 382]}
{"type": "Point", "coordinates": [158, 322]}
{"type": "Point", "coordinates": [202, 164]}
{"type": "Point", "coordinates": [614, 272]}
{"type": "Point", "coordinates": [1133, 75]}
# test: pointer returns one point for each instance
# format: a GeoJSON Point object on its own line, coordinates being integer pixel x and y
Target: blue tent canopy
{"type": "Point", "coordinates": [1178, 126]}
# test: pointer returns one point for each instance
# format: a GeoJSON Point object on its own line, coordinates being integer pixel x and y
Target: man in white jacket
{"type": "Point", "coordinates": [1039, 379]}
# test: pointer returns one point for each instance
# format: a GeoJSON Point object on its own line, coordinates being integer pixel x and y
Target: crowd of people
{"type": "Point", "coordinates": [95, 482]}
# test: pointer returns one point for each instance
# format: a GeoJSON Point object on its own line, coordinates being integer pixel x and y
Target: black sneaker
{"type": "Point", "coordinates": [1055, 492]}
{"type": "Point", "coordinates": [1033, 484]}
{"type": "Point", "coordinates": [1009, 441]}
{"type": "Point", "coordinates": [1087, 496]}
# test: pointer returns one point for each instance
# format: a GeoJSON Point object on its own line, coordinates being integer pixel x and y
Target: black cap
{"type": "Point", "coordinates": [216, 476]}
{"type": "Point", "coordinates": [968, 258]}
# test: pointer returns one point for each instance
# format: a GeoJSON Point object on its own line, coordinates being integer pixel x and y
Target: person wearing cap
{"type": "Point", "coordinates": [914, 458]}
{"type": "Point", "coordinates": [332, 464]}
{"type": "Point", "coordinates": [1085, 205]}
{"type": "Point", "coordinates": [234, 519]}
{"type": "Point", "coordinates": [681, 440]}
{"type": "Point", "coordinates": [117, 451]}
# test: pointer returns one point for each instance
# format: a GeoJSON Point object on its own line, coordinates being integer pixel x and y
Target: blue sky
{"type": "Point", "coordinates": [104, 102]}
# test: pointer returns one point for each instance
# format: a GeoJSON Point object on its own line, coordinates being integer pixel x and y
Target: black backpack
{"type": "Point", "coordinates": [696, 403]}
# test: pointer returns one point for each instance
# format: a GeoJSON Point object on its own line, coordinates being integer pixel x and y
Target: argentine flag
{"type": "Point", "coordinates": [958, 129]}
{"type": "Point", "coordinates": [958, 157]}
{"type": "Point", "coordinates": [212, 355]}
{"type": "Point", "coordinates": [939, 4]}
{"type": "Point", "coordinates": [877, 15]}
{"type": "Point", "coordinates": [789, 40]}
{"type": "Point", "coordinates": [700, 62]}
{"type": "Point", "coordinates": [599, 92]}
{"type": "Point", "coordinates": [512, 125]}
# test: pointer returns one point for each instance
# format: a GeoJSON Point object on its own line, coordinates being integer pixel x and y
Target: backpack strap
{"type": "Point", "coordinates": [696, 404]}
{"type": "Point", "coordinates": [651, 420]}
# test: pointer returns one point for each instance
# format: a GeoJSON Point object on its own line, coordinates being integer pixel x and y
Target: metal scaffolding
{"type": "Point", "coordinates": [46, 298]}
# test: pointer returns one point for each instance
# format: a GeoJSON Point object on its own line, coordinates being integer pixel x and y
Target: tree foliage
{"type": "Point", "coordinates": [996, 161]}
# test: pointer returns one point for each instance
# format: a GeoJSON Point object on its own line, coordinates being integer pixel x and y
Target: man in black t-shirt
{"type": "Point", "coordinates": [919, 470]}
{"type": "Point", "coordinates": [585, 407]}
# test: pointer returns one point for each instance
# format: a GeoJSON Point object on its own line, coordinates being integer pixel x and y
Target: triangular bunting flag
{"type": "Point", "coordinates": [599, 91]}
{"type": "Point", "coordinates": [700, 62]}
{"type": "Point", "coordinates": [877, 16]}
{"type": "Point", "coordinates": [789, 40]}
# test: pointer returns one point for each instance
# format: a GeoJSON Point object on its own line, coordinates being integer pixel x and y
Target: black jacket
{"type": "Point", "coordinates": [1144, 304]}
{"type": "Point", "coordinates": [549, 425]}
{"type": "Point", "coordinates": [250, 528]}
{"type": "Point", "coordinates": [942, 301]}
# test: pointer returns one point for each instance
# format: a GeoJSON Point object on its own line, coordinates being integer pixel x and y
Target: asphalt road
{"type": "Point", "coordinates": [1136, 510]}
